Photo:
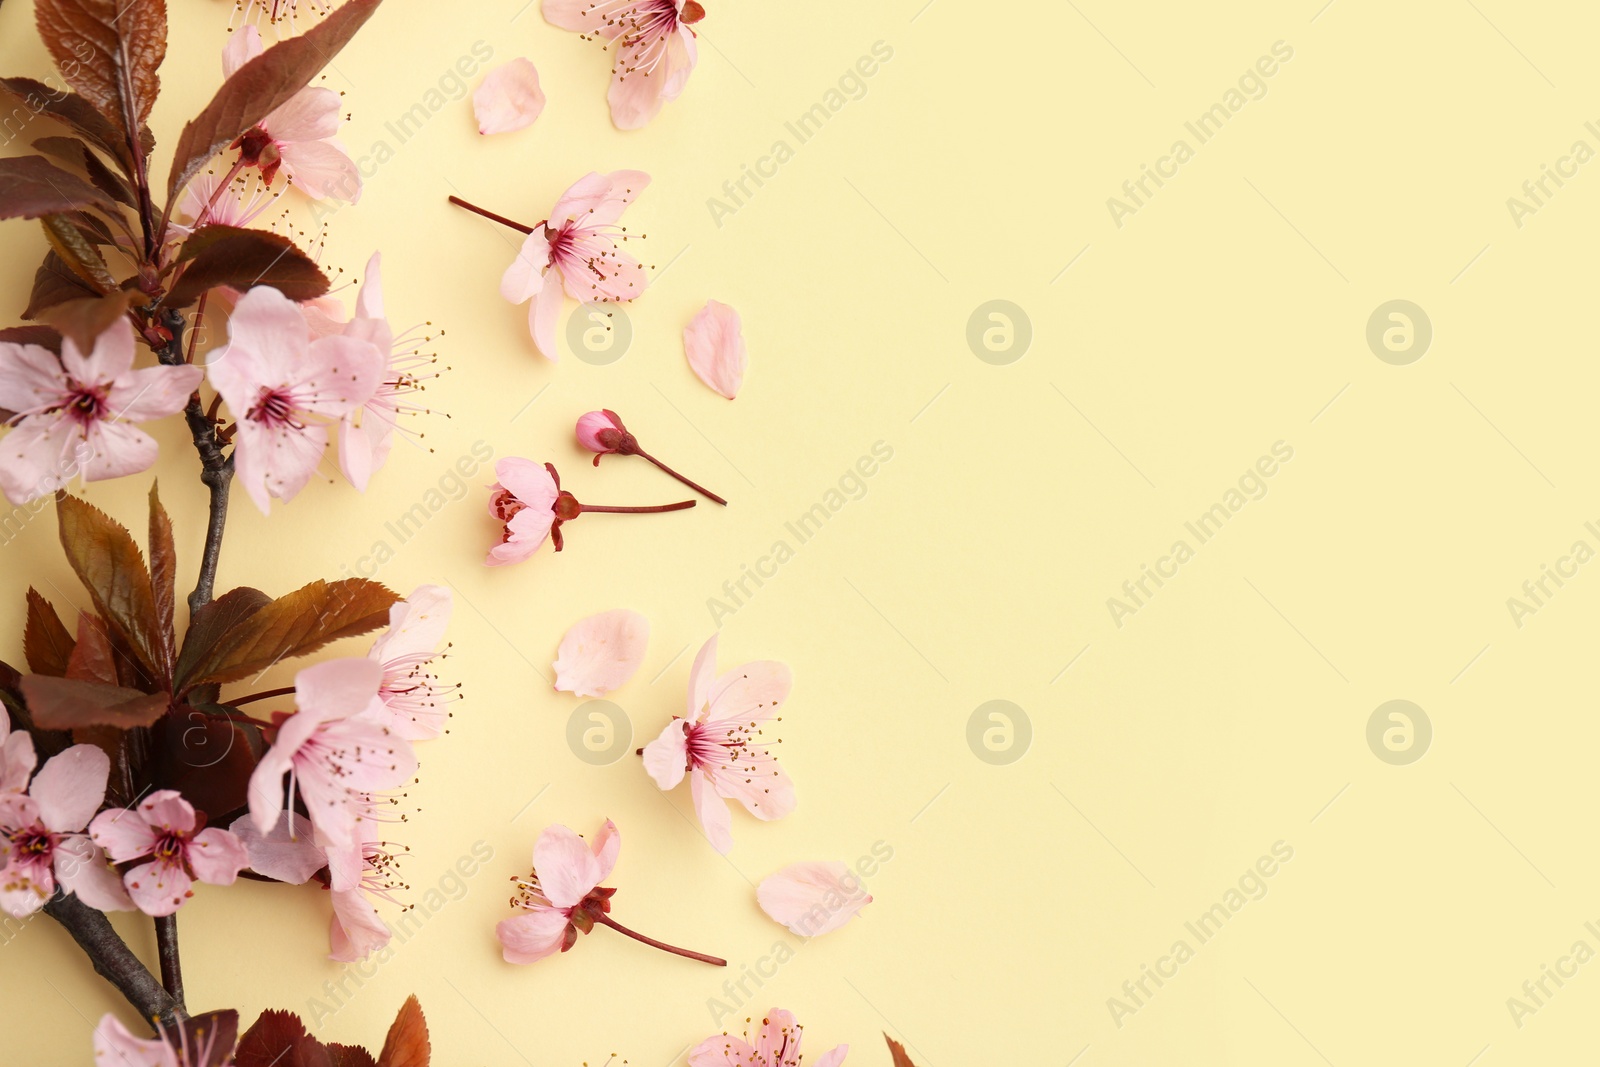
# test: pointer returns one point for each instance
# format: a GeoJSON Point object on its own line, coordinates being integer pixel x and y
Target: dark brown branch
{"type": "Point", "coordinates": [113, 960]}
{"type": "Point", "coordinates": [167, 949]}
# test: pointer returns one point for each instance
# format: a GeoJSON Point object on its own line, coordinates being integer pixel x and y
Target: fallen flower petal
{"type": "Point", "coordinates": [714, 343]}
{"type": "Point", "coordinates": [509, 98]}
{"type": "Point", "coordinates": [812, 899]}
{"type": "Point", "coordinates": [600, 653]}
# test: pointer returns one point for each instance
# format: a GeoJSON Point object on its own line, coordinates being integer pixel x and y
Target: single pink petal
{"type": "Point", "coordinates": [115, 1045]}
{"type": "Point", "coordinates": [609, 276]}
{"type": "Point", "coordinates": [322, 170]}
{"type": "Point", "coordinates": [634, 99]}
{"type": "Point", "coordinates": [779, 1037]}
{"type": "Point", "coordinates": [289, 855]}
{"type": "Point", "coordinates": [30, 377]}
{"type": "Point", "coordinates": [337, 688]}
{"type": "Point", "coordinates": [757, 782]}
{"type": "Point", "coordinates": [509, 98]}
{"type": "Point", "coordinates": [713, 813]}
{"type": "Point", "coordinates": [575, 15]}
{"type": "Point", "coordinates": [84, 870]}
{"type": "Point", "coordinates": [600, 653]}
{"type": "Point", "coordinates": [111, 357]}
{"type": "Point", "coordinates": [605, 846]}
{"type": "Point", "coordinates": [358, 458]}
{"type": "Point", "coordinates": [41, 454]}
{"type": "Point", "coordinates": [599, 199]}
{"type": "Point", "coordinates": [701, 677]}
{"type": "Point", "coordinates": [153, 392]}
{"type": "Point", "coordinates": [117, 449]}
{"type": "Point", "coordinates": [276, 461]}
{"type": "Point", "coordinates": [751, 692]}
{"type": "Point", "coordinates": [310, 115]}
{"type": "Point", "coordinates": [242, 47]}
{"type": "Point", "coordinates": [566, 867]}
{"type": "Point", "coordinates": [265, 791]}
{"type": "Point", "coordinates": [166, 810]}
{"type": "Point", "coordinates": [812, 898]}
{"type": "Point", "coordinates": [528, 481]}
{"type": "Point", "coordinates": [17, 761]}
{"type": "Point", "coordinates": [525, 276]}
{"type": "Point", "coordinates": [543, 313]}
{"type": "Point", "coordinates": [267, 341]}
{"type": "Point", "coordinates": [723, 1050]}
{"type": "Point", "coordinates": [369, 299]}
{"type": "Point", "coordinates": [123, 833]}
{"type": "Point", "coordinates": [667, 757]}
{"type": "Point", "coordinates": [531, 936]}
{"type": "Point", "coordinates": [70, 787]}
{"type": "Point", "coordinates": [833, 1057]}
{"type": "Point", "coordinates": [416, 625]}
{"type": "Point", "coordinates": [715, 347]}
{"type": "Point", "coordinates": [356, 931]}
{"type": "Point", "coordinates": [217, 856]}
{"type": "Point", "coordinates": [159, 887]}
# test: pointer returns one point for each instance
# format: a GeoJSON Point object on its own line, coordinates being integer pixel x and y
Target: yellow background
{"type": "Point", "coordinates": [1167, 754]}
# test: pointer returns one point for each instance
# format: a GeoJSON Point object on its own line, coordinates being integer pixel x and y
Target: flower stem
{"type": "Point", "coordinates": [696, 486]}
{"type": "Point", "coordinates": [167, 949]}
{"type": "Point", "coordinates": [265, 694]}
{"type": "Point", "coordinates": [651, 510]}
{"type": "Point", "coordinates": [113, 960]}
{"type": "Point", "coordinates": [606, 920]}
{"type": "Point", "coordinates": [491, 216]}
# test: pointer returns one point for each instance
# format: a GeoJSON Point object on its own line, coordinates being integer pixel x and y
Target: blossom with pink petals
{"type": "Point", "coordinates": [42, 841]}
{"type": "Point", "coordinates": [280, 384]}
{"type": "Point", "coordinates": [77, 412]}
{"type": "Point", "coordinates": [524, 499]}
{"type": "Point", "coordinates": [655, 49]}
{"type": "Point", "coordinates": [578, 249]}
{"type": "Point", "coordinates": [562, 895]}
{"type": "Point", "coordinates": [165, 828]}
{"type": "Point", "coordinates": [776, 1044]}
{"type": "Point", "coordinates": [415, 704]}
{"type": "Point", "coordinates": [718, 744]}
{"type": "Point", "coordinates": [298, 136]}
{"type": "Point", "coordinates": [812, 899]}
{"type": "Point", "coordinates": [336, 751]}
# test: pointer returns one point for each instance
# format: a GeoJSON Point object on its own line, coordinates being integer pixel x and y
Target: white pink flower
{"type": "Point", "coordinates": [579, 249]}
{"type": "Point", "coordinates": [42, 841]}
{"type": "Point", "coordinates": [77, 412]}
{"type": "Point", "coordinates": [336, 751]}
{"type": "Point", "coordinates": [776, 1044]}
{"type": "Point", "coordinates": [164, 828]}
{"type": "Point", "coordinates": [812, 899]}
{"type": "Point", "coordinates": [655, 49]}
{"type": "Point", "coordinates": [718, 745]}
{"type": "Point", "coordinates": [415, 704]}
{"type": "Point", "coordinates": [298, 136]}
{"type": "Point", "coordinates": [565, 874]}
{"type": "Point", "coordinates": [524, 499]}
{"type": "Point", "coordinates": [282, 386]}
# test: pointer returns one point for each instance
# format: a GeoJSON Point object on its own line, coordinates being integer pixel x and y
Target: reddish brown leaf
{"type": "Point", "coordinates": [73, 151]}
{"type": "Point", "coordinates": [279, 1039]}
{"type": "Point", "coordinates": [214, 1033]}
{"type": "Point", "coordinates": [241, 258]}
{"type": "Point", "coordinates": [351, 1056]}
{"type": "Point", "coordinates": [92, 659]}
{"type": "Point", "coordinates": [292, 625]}
{"type": "Point", "coordinates": [32, 187]}
{"type": "Point", "coordinates": [77, 250]}
{"type": "Point", "coordinates": [109, 51]}
{"type": "Point", "coordinates": [54, 283]}
{"type": "Point", "coordinates": [163, 573]}
{"type": "Point", "coordinates": [898, 1051]}
{"type": "Point", "coordinates": [210, 625]}
{"type": "Point", "coordinates": [204, 756]}
{"type": "Point", "coordinates": [43, 336]}
{"type": "Point", "coordinates": [407, 1043]}
{"type": "Point", "coordinates": [261, 85]}
{"type": "Point", "coordinates": [74, 112]}
{"type": "Point", "coordinates": [46, 642]}
{"type": "Point", "coordinates": [109, 565]}
{"type": "Point", "coordinates": [69, 704]}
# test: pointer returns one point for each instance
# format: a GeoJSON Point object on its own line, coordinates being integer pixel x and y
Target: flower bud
{"type": "Point", "coordinates": [602, 433]}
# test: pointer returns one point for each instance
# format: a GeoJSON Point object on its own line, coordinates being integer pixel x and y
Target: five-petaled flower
{"type": "Point", "coordinates": [655, 49]}
{"type": "Point", "coordinates": [579, 249]}
{"type": "Point", "coordinates": [42, 841]}
{"type": "Point", "coordinates": [180, 848]}
{"type": "Point", "coordinates": [718, 744]}
{"type": "Point", "coordinates": [777, 1044]}
{"type": "Point", "coordinates": [279, 383]}
{"type": "Point", "coordinates": [529, 501]}
{"type": "Point", "coordinates": [77, 412]}
{"type": "Point", "coordinates": [562, 895]}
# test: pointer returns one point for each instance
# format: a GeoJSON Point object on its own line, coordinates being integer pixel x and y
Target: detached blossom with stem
{"type": "Point", "coordinates": [281, 385]}
{"type": "Point", "coordinates": [775, 1044]}
{"type": "Point", "coordinates": [77, 412]}
{"type": "Point", "coordinates": [718, 744]}
{"type": "Point", "coordinates": [297, 137]}
{"type": "Point", "coordinates": [562, 897]}
{"type": "Point", "coordinates": [529, 500]}
{"type": "Point", "coordinates": [42, 842]}
{"type": "Point", "coordinates": [655, 49]}
{"type": "Point", "coordinates": [181, 850]}
{"type": "Point", "coordinates": [602, 433]}
{"type": "Point", "coordinates": [578, 248]}
{"type": "Point", "coordinates": [367, 433]}
{"type": "Point", "coordinates": [336, 753]}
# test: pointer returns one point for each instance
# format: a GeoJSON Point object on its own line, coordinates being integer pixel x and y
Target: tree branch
{"type": "Point", "coordinates": [113, 960]}
{"type": "Point", "coordinates": [167, 949]}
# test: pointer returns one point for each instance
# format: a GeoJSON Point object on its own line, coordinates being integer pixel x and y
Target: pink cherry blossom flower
{"type": "Point", "coordinates": [602, 433]}
{"type": "Point", "coordinates": [44, 843]}
{"type": "Point", "coordinates": [279, 383]}
{"type": "Point", "coordinates": [165, 828]}
{"type": "Point", "coordinates": [600, 653]}
{"type": "Point", "coordinates": [714, 343]}
{"type": "Point", "coordinates": [298, 136]}
{"type": "Point", "coordinates": [206, 201]}
{"type": "Point", "coordinates": [777, 1044]}
{"type": "Point", "coordinates": [562, 898]}
{"type": "Point", "coordinates": [508, 98]}
{"type": "Point", "coordinates": [718, 744]}
{"type": "Point", "coordinates": [578, 249]}
{"type": "Point", "coordinates": [77, 412]}
{"type": "Point", "coordinates": [415, 704]}
{"type": "Point", "coordinates": [531, 504]}
{"type": "Point", "coordinates": [335, 750]}
{"type": "Point", "coordinates": [367, 432]}
{"type": "Point", "coordinates": [655, 49]}
{"type": "Point", "coordinates": [812, 899]}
